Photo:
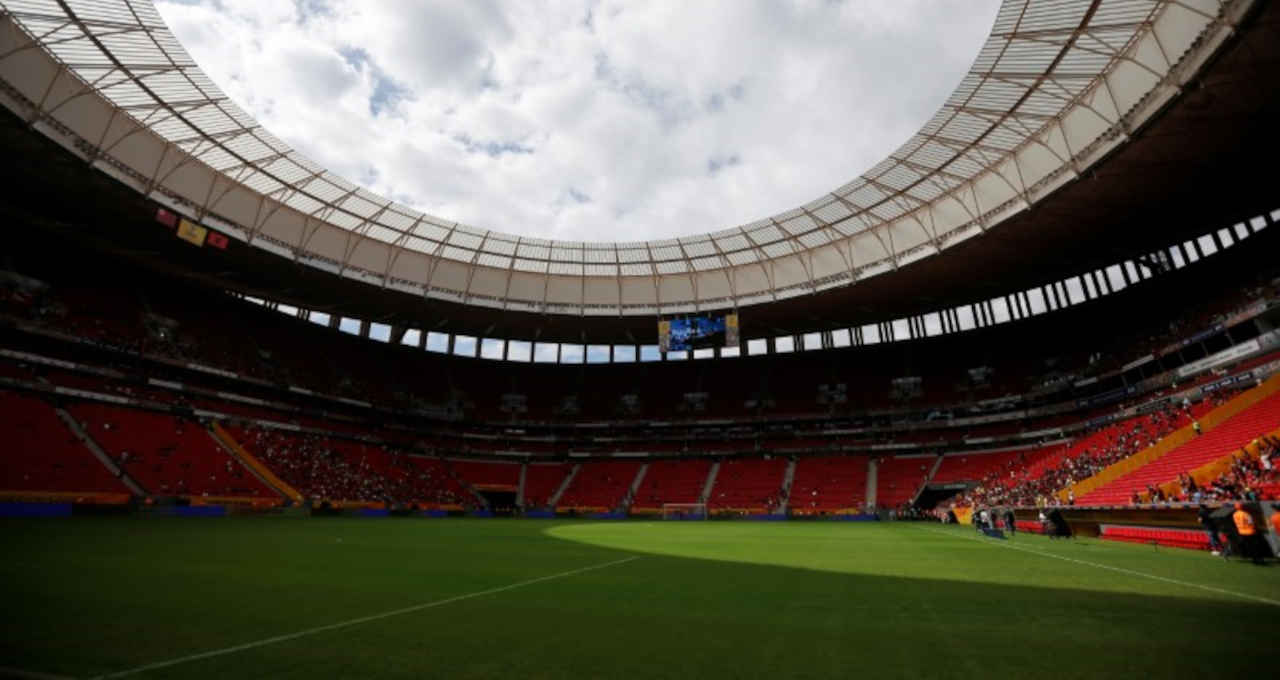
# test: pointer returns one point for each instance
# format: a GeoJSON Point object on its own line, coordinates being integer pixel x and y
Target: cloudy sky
{"type": "Point", "coordinates": [589, 119]}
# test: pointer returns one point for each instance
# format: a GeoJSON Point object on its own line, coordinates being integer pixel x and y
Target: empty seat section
{"type": "Point", "coordinates": [1222, 440]}
{"type": "Point", "coordinates": [965, 467]}
{"type": "Point", "coordinates": [42, 454]}
{"type": "Point", "coordinates": [826, 485]}
{"type": "Point", "coordinates": [167, 455]}
{"type": "Point", "coordinates": [1029, 525]}
{"type": "Point", "coordinates": [671, 481]}
{"type": "Point", "coordinates": [1042, 460]}
{"type": "Point", "coordinates": [487, 475]}
{"type": "Point", "coordinates": [1177, 538]}
{"type": "Point", "coordinates": [898, 479]}
{"type": "Point", "coordinates": [748, 484]}
{"type": "Point", "coordinates": [600, 486]}
{"type": "Point", "coordinates": [541, 481]}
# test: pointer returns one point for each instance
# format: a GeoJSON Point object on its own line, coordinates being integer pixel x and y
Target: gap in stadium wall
{"type": "Point", "coordinates": [1015, 306]}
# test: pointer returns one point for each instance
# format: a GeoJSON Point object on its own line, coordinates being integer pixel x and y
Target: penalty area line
{"type": "Point", "coordinates": [1122, 570]}
{"type": "Point", "coordinates": [354, 622]}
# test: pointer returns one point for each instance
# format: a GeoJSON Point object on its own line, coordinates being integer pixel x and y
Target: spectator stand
{"type": "Point", "coordinates": [1208, 422]}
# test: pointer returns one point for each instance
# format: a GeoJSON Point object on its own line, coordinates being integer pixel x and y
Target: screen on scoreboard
{"type": "Point", "coordinates": [695, 332]}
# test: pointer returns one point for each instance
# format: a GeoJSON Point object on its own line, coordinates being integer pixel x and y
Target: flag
{"type": "Point", "coordinates": [216, 240]}
{"type": "Point", "coordinates": [166, 218]}
{"type": "Point", "coordinates": [191, 232]}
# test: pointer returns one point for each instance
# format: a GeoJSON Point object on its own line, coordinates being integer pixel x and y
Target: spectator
{"type": "Point", "coordinates": [1205, 516]}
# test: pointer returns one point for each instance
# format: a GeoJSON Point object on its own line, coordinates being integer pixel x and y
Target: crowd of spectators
{"type": "Point", "coordinates": [1249, 478]}
{"type": "Point", "coordinates": [1105, 446]}
{"type": "Point", "coordinates": [323, 469]}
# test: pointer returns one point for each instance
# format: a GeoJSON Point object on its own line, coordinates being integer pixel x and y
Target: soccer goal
{"type": "Point", "coordinates": [684, 511]}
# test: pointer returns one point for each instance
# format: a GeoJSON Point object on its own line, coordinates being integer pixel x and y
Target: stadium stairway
{"type": "Point", "coordinates": [564, 484]}
{"type": "Point", "coordinates": [1224, 430]}
{"type": "Point", "coordinates": [251, 462]}
{"type": "Point", "coordinates": [710, 483]}
{"type": "Point", "coordinates": [933, 470]}
{"type": "Point", "coordinates": [97, 451]}
{"type": "Point", "coordinates": [873, 482]}
{"type": "Point", "coordinates": [168, 455]}
{"type": "Point", "coordinates": [45, 459]}
{"type": "Point", "coordinates": [630, 498]}
{"type": "Point", "coordinates": [747, 485]}
{"type": "Point", "coordinates": [670, 481]}
{"type": "Point", "coordinates": [899, 479]}
{"type": "Point", "coordinates": [600, 487]}
{"type": "Point", "coordinates": [468, 486]}
{"type": "Point", "coordinates": [542, 482]}
{"type": "Point", "coordinates": [788, 478]}
{"type": "Point", "coordinates": [829, 485]}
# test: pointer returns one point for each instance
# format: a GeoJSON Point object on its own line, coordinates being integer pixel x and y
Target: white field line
{"type": "Point", "coordinates": [354, 622]}
{"type": "Point", "coordinates": [1122, 570]}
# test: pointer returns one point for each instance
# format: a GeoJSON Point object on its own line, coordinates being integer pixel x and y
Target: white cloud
{"type": "Point", "coordinates": [589, 120]}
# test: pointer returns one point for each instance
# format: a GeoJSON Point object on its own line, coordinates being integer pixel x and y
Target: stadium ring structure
{"type": "Point", "coordinates": [1057, 85]}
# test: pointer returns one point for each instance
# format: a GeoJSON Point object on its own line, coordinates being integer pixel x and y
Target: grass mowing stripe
{"type": "Point", "coordinates": [352, 622]}
{"type": "Point", "coordinates": [1122, 570]}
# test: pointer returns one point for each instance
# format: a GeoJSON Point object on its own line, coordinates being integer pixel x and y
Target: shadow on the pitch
{"type": "Point", "coordinates": [660, 616]}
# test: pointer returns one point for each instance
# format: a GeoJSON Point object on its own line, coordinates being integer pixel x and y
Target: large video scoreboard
{"type": "Point", "coordinates": [697, 332]}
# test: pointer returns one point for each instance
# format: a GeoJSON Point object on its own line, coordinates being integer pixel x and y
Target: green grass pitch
{"type": "Point", "coordinates": [511, 599]}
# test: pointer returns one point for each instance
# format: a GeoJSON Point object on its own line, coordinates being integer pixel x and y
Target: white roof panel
{"type": "Point", "coordinates": [1040, 65]}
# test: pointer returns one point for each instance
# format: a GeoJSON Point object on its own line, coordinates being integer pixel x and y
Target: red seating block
{"type": "Point", "coordinates": [42, 454]}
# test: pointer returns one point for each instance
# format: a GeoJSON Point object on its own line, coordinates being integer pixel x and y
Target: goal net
{"type": "Point", "coordinates": [684, 511]}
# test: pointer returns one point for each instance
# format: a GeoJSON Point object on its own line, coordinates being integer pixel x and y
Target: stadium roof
{"type": "Point", "coordinates": [1057, 86]}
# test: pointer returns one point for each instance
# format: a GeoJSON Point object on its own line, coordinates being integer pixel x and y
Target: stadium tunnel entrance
{"type": "Point", "coordinates": [502, 502]}
{"type": "Point", "coordinates": [931, 496]}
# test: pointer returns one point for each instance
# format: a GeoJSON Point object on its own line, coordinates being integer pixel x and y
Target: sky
{"type": "Point", "coordinates": [590, 120]}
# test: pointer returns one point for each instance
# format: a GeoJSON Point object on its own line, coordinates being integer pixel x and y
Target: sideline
{"type": "Point", "coordinates": [1122, 570]}
{"type": "Point", "coordinates": [352, 622]}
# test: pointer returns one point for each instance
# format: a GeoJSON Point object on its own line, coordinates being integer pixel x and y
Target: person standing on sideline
{"type": "Point", "coordinates": [1205, 515]}
{"type": "Point", "coordinates": [1248, 534]}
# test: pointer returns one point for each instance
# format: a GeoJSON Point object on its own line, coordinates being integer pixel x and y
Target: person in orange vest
{"type": "Point", "coordinates": [1275, 521]}
{"type": "Point", "coordinates": [1248, 533]}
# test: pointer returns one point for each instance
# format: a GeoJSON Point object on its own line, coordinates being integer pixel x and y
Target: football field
{"type": "Point", "coordinates": [417, 598]}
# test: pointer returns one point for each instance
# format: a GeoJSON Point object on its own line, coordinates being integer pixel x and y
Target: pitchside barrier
{"type": "Point", "coordinates": [35, 509]}
{"type": "Point", "coordinates": [1091, 521]}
